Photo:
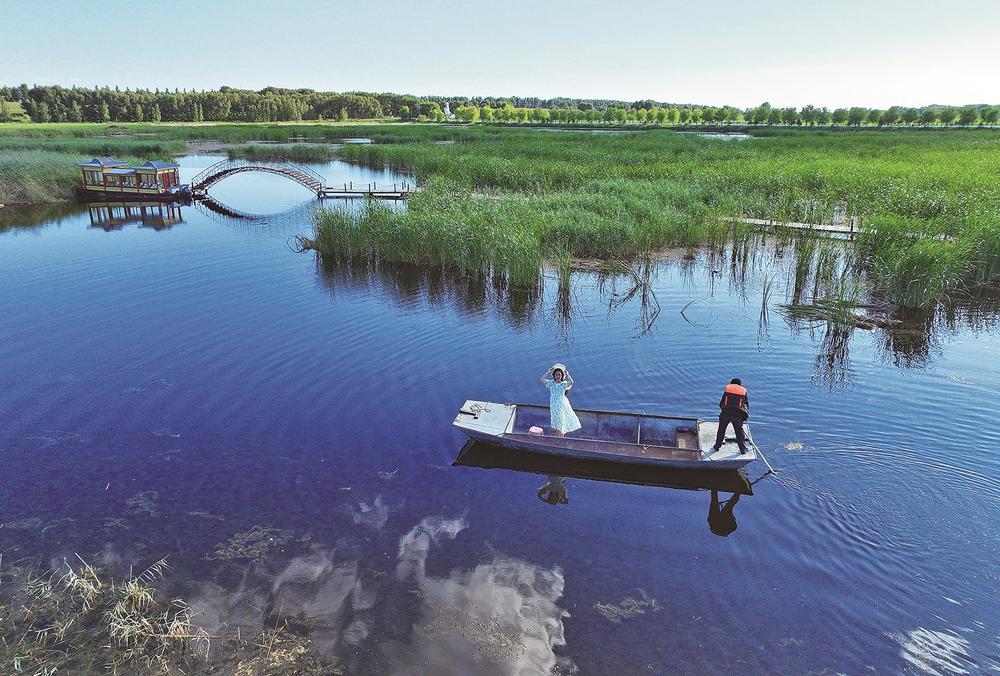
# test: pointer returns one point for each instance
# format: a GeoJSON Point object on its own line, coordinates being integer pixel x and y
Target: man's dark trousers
{"type": "Point", "coordinates": [734, 416]}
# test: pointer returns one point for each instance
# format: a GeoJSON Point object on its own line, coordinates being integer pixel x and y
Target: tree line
{"type": "Point", "coordinates": [275, 104]}
{"type": "Point", "coordinates": [763, 114]}
{"type": "Point", "coordinates": [272, 104]}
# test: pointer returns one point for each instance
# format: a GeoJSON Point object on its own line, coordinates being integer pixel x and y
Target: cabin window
{"type": "Point", "coordinates": [94, 177]}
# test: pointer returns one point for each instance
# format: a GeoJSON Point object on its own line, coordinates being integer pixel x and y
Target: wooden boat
{"type": "Point", "coordinates": [634, 438]}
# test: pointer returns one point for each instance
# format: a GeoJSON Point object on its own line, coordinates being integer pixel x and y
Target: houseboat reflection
{"type": "Point", "coordinates": [116, 215]}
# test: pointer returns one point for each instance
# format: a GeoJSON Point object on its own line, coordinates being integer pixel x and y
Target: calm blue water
{"type": "Point", "coordinates": [164, 390]}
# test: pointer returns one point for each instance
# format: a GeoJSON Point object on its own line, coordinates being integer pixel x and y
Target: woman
{"type": "Point", "coordinates": [563, 417]}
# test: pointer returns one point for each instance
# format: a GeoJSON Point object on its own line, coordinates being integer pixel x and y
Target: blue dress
{"type": "Point", "coordinates": [563, 416]}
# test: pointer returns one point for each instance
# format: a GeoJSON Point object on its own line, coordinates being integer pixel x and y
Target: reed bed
{"type": "Point", "coordinates": [300, 152]}
{"type": "Point", "coordinates": [927, 206]}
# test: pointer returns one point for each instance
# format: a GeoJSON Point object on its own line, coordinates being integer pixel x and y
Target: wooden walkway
{"type": "Point", "coordinates": [848, 229]}
{"type": "Point", "coordinates": [372, 191]}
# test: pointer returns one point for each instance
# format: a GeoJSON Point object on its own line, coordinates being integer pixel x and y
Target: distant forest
{"type": "Point", "coordinates": [274, 104]}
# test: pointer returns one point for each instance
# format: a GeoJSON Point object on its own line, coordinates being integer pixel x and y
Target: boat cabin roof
{"type": "Point", "coordinates": [102, 162]}
{"type": "Point", "coordinates": [120, 172]}
{"type": "Point", "coordinates": [157, 164]}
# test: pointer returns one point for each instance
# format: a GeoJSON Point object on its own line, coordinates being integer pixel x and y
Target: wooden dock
{"type": "Point", "coordinates": [373, 191]}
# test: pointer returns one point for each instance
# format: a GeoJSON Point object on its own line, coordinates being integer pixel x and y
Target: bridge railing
{"type": "Point", "coordinates": [244, 163]}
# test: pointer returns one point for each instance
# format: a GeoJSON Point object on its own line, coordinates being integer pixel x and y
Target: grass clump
{"type": "Point", "coordinates": [76, 619]}
{"type": "Point", "coordinates": [301, 152]}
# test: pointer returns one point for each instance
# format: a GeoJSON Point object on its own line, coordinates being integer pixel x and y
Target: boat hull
{"type": "Point", "coordinates": [495, 424]}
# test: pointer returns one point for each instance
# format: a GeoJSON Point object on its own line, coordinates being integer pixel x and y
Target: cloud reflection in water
{"type": "Point", "coordinates": [500, 617]}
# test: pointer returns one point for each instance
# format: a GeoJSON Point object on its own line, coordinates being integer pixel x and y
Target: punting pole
{"type": "Point", "coordinates": [770, 470]}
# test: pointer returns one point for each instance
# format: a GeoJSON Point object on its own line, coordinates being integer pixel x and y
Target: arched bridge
{"type": "Point", "coordinates": [226, 168]}
{"type": "Point", "coordinates": [302, 175]}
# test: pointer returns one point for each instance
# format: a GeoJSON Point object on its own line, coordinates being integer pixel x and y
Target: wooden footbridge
{"type": "Point", "coordinates": [301, 175]}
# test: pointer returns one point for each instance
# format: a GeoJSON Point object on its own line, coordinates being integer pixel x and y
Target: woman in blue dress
{"type": "Point", "coordinates": [559, 382]}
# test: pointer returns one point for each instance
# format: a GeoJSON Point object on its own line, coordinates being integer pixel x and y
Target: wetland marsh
{"type": "Point", "coordinates": [277, 425]}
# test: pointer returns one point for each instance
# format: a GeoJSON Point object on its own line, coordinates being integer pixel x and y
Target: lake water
{"type": "Point", "coordinates": [280, 428]}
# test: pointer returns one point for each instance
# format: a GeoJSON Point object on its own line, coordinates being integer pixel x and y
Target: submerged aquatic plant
{"type": "Point", "coordinates": [77, 618]}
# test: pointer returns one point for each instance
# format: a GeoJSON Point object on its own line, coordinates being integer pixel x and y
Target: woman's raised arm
{"type": "Point", "coordinates": [544, 378]}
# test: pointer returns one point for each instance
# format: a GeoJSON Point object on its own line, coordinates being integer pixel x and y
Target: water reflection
{"type": "Point", "coordinates": [110, 216]}
{"type": "Point", "coordinates": [554, 491]}
{"type": "Point", "coordinates": [293, 220]}
{"type": "Point", "coordinates": [481, 291]}
{"type": "Point", "coordinates": [36, 216]}
{"type": "Point", "coordinates": [409, 284]}
{"type": "Point", "coordinates": [501, 616]}
{"type": "Point", "coordinates": [721, 519]}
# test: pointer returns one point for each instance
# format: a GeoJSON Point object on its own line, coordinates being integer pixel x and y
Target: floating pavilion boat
{"type": "Point", "coordinates": [153, 180]}
{"type": "Point", "coordinates": [631, 438]}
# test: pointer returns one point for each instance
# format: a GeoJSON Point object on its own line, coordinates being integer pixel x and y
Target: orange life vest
{"type": "Point", "coordinates": [735, 396]}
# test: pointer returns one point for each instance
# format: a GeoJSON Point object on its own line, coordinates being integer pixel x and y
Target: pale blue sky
{"type": "Point", "coordinates": [836, 53]}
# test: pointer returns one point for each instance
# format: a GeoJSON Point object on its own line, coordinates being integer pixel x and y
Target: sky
{"type": "Point", "coordinates": [838, 53]}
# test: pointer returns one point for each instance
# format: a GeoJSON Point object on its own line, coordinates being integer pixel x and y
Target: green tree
{"type": "Point", "coordinates": [857, 116]}
{"type": "Point", "coordinates": [774, 116]}
{"type": "Point", "coordinates": [928, 116]}
{"type": "Point", "coordinates": [467, 113]}
{"type": "Point", "coordinates": [893, 115]}
{"type": "Point", "coordinates": [875, 116]}
{"type": "Point", "coordinates": [759, 114]}
{"type": "Point", "coordinates": [431, 110]}
{"type": "Point", "coordinates": [910, 115]}
{"type": "Point", "coordinates": [968, 115]}
{"type": "Point", "coordinates": [342, 115]}
{"type": "Point", "coordinates": [809, 114]}
{"type": "Point", "coordinates": [75, 112]}
{"type": "Point", "coordinates": [404, 112]}
{"type": "Point", "coordinates": [156, 116]}
{"type": "Point", "coordinates": [791, 116]}
{"type": "Point", "coordinates": [137, 114]}
{"type": "Point", "coordinates": [991, 115]}
{"type": "Point", "coordinates": [948, 115]}
{"type": "Point", "coordinates": [839, 116]}
{"type": "Point", "coordinates": [42, 113]}
{"type": "Point", "coordinates": [486, 113]}
{"type": "Point", "coordinates": [5, 114]}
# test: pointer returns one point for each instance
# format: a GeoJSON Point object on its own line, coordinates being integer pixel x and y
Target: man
{"type": "Point", "coordinates": [735, 407]}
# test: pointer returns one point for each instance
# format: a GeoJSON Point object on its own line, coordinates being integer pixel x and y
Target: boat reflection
{"type": "Point", "coordinates": [109, 216]}
{"type": "Point", "coordinates": [721, 520]}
